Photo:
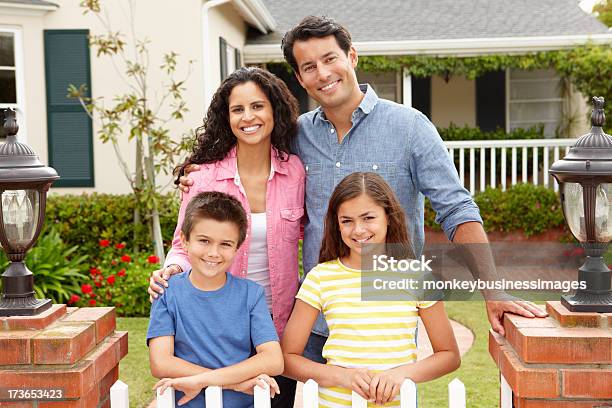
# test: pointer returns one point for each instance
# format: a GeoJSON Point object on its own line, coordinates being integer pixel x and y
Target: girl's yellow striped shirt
{"type": "Point", "coordinates": [377, 335]}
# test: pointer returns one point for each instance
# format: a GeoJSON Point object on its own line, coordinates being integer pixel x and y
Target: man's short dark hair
{"type": "Point", "coordinates": [314, 27]}
{"type": "Point", "coordinates": [214, 205]}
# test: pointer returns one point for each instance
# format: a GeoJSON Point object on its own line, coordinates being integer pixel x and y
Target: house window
{"type": "Point", "coordinates": [229, 57]}
{"type": "Point", "coordinates": [535, 97]}
{"type": "Point", "coordinates": [387, 85]}
{"type": "Point", "coordinates": [11, 77]}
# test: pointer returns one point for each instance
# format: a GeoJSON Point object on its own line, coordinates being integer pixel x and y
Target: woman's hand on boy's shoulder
{"type": "Point", "coordinates": [159, 280]}
{"type": "Point", "coordinates": [184, 181]}
{"type": "Point", "coordinates": [262, 379]}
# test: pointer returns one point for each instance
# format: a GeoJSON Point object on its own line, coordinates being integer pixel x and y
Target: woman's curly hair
{"type": "Point", "coordinates": [214, 139]}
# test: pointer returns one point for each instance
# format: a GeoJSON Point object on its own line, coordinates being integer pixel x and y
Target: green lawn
{"type": "Point", "coordinates": [478, 371]}
{"type": "Point", "coordinates": [134, 368]}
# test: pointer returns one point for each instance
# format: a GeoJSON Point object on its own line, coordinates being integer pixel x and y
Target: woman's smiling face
{"type": "Point", "coordinates": [250, 114]}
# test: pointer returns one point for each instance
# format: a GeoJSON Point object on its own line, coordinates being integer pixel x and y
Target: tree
{"type": "Point", "coordinates": [604, 12]}
{"type": "Point", "coordinates": [136, 115]}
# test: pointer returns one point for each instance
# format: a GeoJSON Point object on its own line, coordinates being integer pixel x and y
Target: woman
{"type": "Point", "coordinates": [243, 150]}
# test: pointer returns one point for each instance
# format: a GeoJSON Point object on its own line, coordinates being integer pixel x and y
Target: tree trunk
{"type": "Point", "coordinates": [137, 188]}
{"type": "Point", "coordinates": [158, 243]}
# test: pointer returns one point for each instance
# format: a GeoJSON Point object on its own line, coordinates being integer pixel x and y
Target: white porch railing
{"type": "Point", "coordinates": [310, 396]}
{"type": "Point", "coordinates": [512, 155]}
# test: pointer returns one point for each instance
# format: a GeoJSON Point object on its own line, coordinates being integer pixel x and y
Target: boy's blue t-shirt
{"type": "Point", "coordinates": [213, 329]}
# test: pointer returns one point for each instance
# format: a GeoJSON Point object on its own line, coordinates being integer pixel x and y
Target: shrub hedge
{"type": "Point", "coordinates": [460, 133]}
{"type": "Point", "coordinates": [84, 220]}
{"type": "Point", "coordinates": [525, 208]}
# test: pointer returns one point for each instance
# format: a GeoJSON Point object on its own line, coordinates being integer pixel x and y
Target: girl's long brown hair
{"type": "Point", "coordinates": [375, 187]}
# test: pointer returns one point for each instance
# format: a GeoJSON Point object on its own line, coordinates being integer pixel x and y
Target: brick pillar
{"type": "Point", "coordinates": [70, 349]}
{"type": "Point", "coordinates": [562, 361]}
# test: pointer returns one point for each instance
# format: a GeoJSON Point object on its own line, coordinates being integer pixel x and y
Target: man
{"type": "Point", "coordinates": [354, 130]}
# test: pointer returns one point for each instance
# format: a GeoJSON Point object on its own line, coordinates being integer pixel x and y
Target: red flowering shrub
{"type": "Point", "coordinates": [73, 299]}
{"type": "Point", "coordinates": [118, 279]}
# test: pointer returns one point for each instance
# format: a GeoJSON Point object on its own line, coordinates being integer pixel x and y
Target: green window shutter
{"type": "Point", "coordinates": [237, 58]}
{"type": "Point", "coordinates": [223, 58]}
{"type": "Point", "coordinates": [69, 128]}
{"type": "Point", "coordinates": [491, 101]}
{"type": "Point", "coordinates": [421, 95]}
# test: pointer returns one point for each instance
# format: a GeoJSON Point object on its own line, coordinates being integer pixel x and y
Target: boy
{"type": "Point", "coordinates": [203, 327]}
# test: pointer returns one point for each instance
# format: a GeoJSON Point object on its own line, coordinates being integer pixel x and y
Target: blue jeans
{"type": "Point", "coordinates": [314, 348]}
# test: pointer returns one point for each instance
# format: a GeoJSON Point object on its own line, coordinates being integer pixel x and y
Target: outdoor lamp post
{"type": "Point", "coordinates": [24, 182]}
{"type": "Point", "coordinates": [585, 179]}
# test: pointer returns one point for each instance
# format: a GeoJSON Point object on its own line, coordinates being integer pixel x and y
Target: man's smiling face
{"type": "Point", "coordinates": [326, 71]}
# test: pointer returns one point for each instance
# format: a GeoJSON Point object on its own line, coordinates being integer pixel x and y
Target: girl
{"type": "Point", "coordinates": [243, 150]}
{"type": "Point", "coordinates": [371, 348]}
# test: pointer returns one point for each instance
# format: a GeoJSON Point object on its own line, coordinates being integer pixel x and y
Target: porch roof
{"type": "Point", "coordinates": [443, 21]}
{"type": "Point", "coordinates": [31, 2]}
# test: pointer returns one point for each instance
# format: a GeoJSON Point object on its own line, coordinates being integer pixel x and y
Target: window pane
{"type": "Point", "coordinates": [231, 59]}
{"type": "Point", "coordinates": [7, 50]}
{"type": "Point", "coordinates": [8, 93]}
{"type": "Point", "coordinates": [546, 89]}
{"type": "Point", "coordinates": [535, 111]}
{"type": "Point", "coordinates": [534, 74]}
{"type": "Point", "coordinates": [385, 84]}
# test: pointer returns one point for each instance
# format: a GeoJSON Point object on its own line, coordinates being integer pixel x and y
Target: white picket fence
{"type": "Point", "coordinates": [512, 152]}
{"type": "Point", "coordinates": [310, 396]}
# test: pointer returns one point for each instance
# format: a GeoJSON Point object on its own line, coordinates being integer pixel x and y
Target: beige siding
{"type": "Point", "coordinates": [175, 28]}
{"type": "Point", "coordinates": [224, 22]}
{"type": "Point", "coordinates": [453, 101]}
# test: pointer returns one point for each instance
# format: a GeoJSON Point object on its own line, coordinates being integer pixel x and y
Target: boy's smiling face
{"type": "Point", "coordinates": [211, 247]}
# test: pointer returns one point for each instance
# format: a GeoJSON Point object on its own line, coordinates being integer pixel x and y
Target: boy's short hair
{"type": "Point", "coordinates": [216, 206]}
{"type": "Point", "coordinates": [314, 27]}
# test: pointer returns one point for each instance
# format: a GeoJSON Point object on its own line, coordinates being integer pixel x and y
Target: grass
{"type": "Point", "coordinates": [134, 368]}
{"type": "Point", "coordinates": [478, 371]}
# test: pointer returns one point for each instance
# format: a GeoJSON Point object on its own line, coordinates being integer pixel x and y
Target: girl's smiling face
{"type": "Point", "coordinates": [361, 222]}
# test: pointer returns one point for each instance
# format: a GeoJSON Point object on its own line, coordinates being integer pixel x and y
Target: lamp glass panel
{"type": "Point", "coordinates": [603, 213]}
{"type": "Point", "coordinates": [573, 208]}
{"type": "Point", "coordinates": [20, 216]}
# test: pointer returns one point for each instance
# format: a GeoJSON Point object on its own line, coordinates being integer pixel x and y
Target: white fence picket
{"type": "Point", "coordinates": [505, 393]}
{"type": "Point", "coordinates": [487, 168]}
{"type": "Point", "coordinates": [119, 395]}
{"type": "Point", "coordinates": [165, 400]}
{"type": "Point", "coordinates": [214, 397]}
{"type": "Point", "coordinates": [310, 394]}
{"type": "Point", "coordinates": [408, 394]}
{"type": "Point", "coordinates": [358, 401]}
{"type": "Point", "coordinates": [456, 394]}
{"type": "Point", "coordinates": [261, 395]}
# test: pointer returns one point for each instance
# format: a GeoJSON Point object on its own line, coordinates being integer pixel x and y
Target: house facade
{"type": "Point", "coordinates": [44, 49]}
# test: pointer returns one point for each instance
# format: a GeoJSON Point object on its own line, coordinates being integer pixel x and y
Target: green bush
{"type": "Point", "coordinates": [457, 133]}
{"type": "Point", "coordinates": [85, 219]}
{"type": "Point", "coordinates": [523, 207]}
{"type": "Point", "coordinates": [57, 267]}
{"type": "Point", "coordinates": [120, 279]}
